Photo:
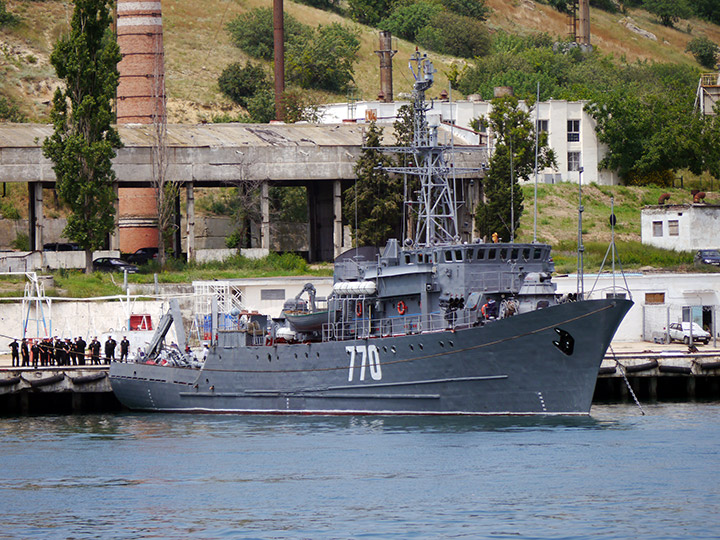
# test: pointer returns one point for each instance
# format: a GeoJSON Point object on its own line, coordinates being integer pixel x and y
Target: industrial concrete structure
{"type": "Point", "coordinates": [682, 227]}
{"type": "Point", "coordinates": [140, 100]}
{"type": "Point", "coordinates": [321, 158]}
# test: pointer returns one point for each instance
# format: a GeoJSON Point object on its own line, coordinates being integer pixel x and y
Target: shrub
{"type": "Point", "coordinates": [325, 5]}
{"type": "Point", "coordinates": [252, 32]}
{"type": "Point", "coordinates": [324, 60]}
{"type": "Point", "coordinates": [7, 18]}
{"type": "Point", "coordinates": [455, 35]}
{"type": "Point", "coordinates": [469, 8]}
{"type": "Point", "coordinates": [241, 83]}
{"type": "Point", "coordinates": [369, 11]}
{"type": "Point", "coordinates": [9, 111]}
{"type": "Point", "coordinates": [261, 107]}
{"type": "Point", "coordinates": [406, 21]}
{"type": "Point", "coordinates": [21, 242]}
{"type": "Point", "coordinates": [654, 178]}
{"type": "Point", "coordinates": [704, 50]}
{"type": "Point", "coordinates": [298, 108]}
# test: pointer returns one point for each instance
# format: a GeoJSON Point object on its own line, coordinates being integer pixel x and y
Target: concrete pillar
{"type": "Point", "coordinates": [114, 235]}
{"type": "Point", "coordinates": [190, 221]}
{"type": "Point", "coordinates": [338, 228]}
{"type": "Point", "coordinates": [177, 233]}
{"type": "Point", "coordinates": [265, 209]}
{"type": "Point", "coordinates": [35, 211]}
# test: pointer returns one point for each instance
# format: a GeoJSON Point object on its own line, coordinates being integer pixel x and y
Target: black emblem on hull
{"type": "Point", "coordinates": [565, 342]}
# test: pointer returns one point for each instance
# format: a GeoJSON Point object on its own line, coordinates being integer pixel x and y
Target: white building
{"type": "Point", "coordinates": [682, 227]}
{"type": "Point", "coordinates": [571, 131]}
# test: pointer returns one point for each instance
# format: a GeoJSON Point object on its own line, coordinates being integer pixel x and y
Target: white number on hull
{"type": "Point", "coordinates": [369, 358]}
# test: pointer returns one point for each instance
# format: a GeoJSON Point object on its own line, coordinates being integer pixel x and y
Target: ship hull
{"type": "Point", "coordinates": [543, 362]}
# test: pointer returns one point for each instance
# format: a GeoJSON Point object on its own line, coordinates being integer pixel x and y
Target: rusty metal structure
{"type": "Point", "coordinates": [386, 53]}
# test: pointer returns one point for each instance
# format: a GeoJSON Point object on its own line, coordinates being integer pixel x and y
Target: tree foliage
{"type": "Point", "coordinates": [369, 12]}
{"type": "Point", "coordinates": [456, 35]}
{"type": "Point", "coordinates": [9, 111]}
{"type": "Point", "coordinates": [376, 197]}
{"type": "Point", "coordinates": [83, 142]}
{"type": "Point", "coordinates": [406, 20]}
{"type": "Point", "coordinates": [7, 18]}
{"type": "Point", "coordinates": [705, 51]}
{"type": "Point", "coordinates": [468, 8]}
{"type": "Point", "coordinates": [241, 83]}
{"type": "Point", "coordinates": [512, 160]}
{"type": "Point", "coordinates": [668, 11]}
{"type": "Point", "coordinates": [252, 32]}
{"type": "Point", "coordinates": [325, 59]}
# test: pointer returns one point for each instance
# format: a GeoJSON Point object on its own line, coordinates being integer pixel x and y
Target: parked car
{"type": "Point", "coordinates": [708, 256]}
{"type": "Point", "coordinates": [113, 264]}
{"type": "Point", "coordinates": [681, 332]}
{"type": "Point", "coordinates": [143, 255]}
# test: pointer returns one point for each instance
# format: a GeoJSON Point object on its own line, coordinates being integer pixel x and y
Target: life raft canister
{"type": "Point", "coordinates": [401, 307]}
{"type": "Point", "coordinates": [358, 308]}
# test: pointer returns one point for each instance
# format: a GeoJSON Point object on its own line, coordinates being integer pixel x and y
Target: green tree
{"type": "Point", "coordinates": [9, 111]}
{"type": "Point", "coordinates": [324, 60]}
{"type": "Point", "coordinates": [252, 32]}
{"type": "Point", "coordinates": [456, 35]}
{"type": "Point", "coordinates": [669, 11]}
{"type": "Point", "coordinates": [241, 83]}
{"type": "Point", "coordinates": [705, 51]}
{"type": "Point", "coordinates": [469, 8]}
{"type": "Point", "coordinates": [369, 12]}
{"type": "Point", "coordinates": [83, 142]}
{"type": "Point", "coordinates": [513, 159]}
{"type": "Point", "coordinates": [375, 198]}
{"type": "Point", "coordinates": [7, 18]}
{"type": "Point", "coordinates": [407, 20]}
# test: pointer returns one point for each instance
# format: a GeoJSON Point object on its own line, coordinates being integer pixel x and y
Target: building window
{"type": "Point", "coordinates": [657, 228]}
{"type": "Point", "coordinates": [655, 298]}
{"type": "Point", "coordinates": [272, 294]}
{"type": "Point", "coordinates": [673, 227]}
{"type": "Point", "coordinates": [542, 126]}
{"type": "Point", "coordinates": [573, 161]}
{"type": "Point", "coordinates": [573, 130]}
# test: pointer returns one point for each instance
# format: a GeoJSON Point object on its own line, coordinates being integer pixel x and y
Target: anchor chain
{"type": "Point", "coordinates": [627, 382]}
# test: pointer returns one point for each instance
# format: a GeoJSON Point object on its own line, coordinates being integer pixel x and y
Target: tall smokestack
{"type": "Point", "coordinates": [140, 100]}
{"type": "Point", "coordinates": [583, 31]}
{"type": "Point", "coordinates": [386, 71]}
{"type": "Point", "coordinates": [279, 54]}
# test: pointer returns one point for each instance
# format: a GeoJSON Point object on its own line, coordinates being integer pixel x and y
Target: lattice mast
{"type": "Point", "coordinates": [436, 201]}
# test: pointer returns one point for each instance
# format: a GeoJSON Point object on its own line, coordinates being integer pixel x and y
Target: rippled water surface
{"type": "Point", "coordinates": [614, 475]}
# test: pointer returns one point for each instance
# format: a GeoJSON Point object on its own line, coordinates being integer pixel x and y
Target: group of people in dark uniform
{"type": "Point", "coordinates": [58, 352]}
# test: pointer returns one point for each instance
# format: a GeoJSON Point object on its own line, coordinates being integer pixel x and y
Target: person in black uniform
{"type": "Point", "coordinates": [80, 350]}
{"type": "Point", "coordinates": [35, 350]}
{"type": "Point", "coordinates": [110, 349]}
{"type": "Point", "coordinates": [95, 351]}
{"type": "Point", "coordinates": [14, 347]}
{"type": "Point", "coordinates": [124, 349]}
{"type": "Point", "coordinates": [25, 353]}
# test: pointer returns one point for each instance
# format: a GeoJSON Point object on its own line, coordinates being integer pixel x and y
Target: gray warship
{"type": "Point", "coordinates": [432, 326]}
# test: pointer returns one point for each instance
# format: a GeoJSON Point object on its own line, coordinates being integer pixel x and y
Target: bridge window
{"type": "Point", "coordinates": [491, 253]}
{"type": "Point", "coordinates": [526, 254]}
{"type": "Point", "coordinates": [480, 254]}
{"type": "Point", "coordinates": [448, 256]}
{"type": "Point", "coordinates": [458, 255]}
{"type": "Point", "coordinates": [514, 255]}
{"type": "Point", "coordinates": [503, 253]}
{"type": "Point", "coordinates": [537, 254]}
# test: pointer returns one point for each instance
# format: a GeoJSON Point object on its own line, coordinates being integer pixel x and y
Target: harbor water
{"type": "Point", "coordinates": [615, 474]}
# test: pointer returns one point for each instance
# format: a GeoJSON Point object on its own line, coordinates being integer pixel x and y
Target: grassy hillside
{"type": "Point", "coordinates": [197, 48]}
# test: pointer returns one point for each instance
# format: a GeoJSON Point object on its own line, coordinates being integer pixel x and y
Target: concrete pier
{"type": "Point", "coordinates": [55, 390]}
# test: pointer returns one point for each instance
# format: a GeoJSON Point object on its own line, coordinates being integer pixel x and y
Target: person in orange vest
{"type": "Point", "coordinates": [495, 238]}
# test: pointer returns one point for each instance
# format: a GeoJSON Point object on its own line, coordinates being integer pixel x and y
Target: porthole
{"type": "Point", "coordinates": [384, 348]}
{"type": "Point", "coordinates": [295, 356]}
{"type": "Point", "coordinates": [269, 358]}
{"type": "Point", "coordinates": [421, 346]}
{"type": "Point", "coordinates": [393, 350]}
{"type": "Point", "coordinates": [441, 343]}
{"type": "Point", "coordinates": [411, 347]}
{"type": "Point", "coordinates": [451, 343]}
